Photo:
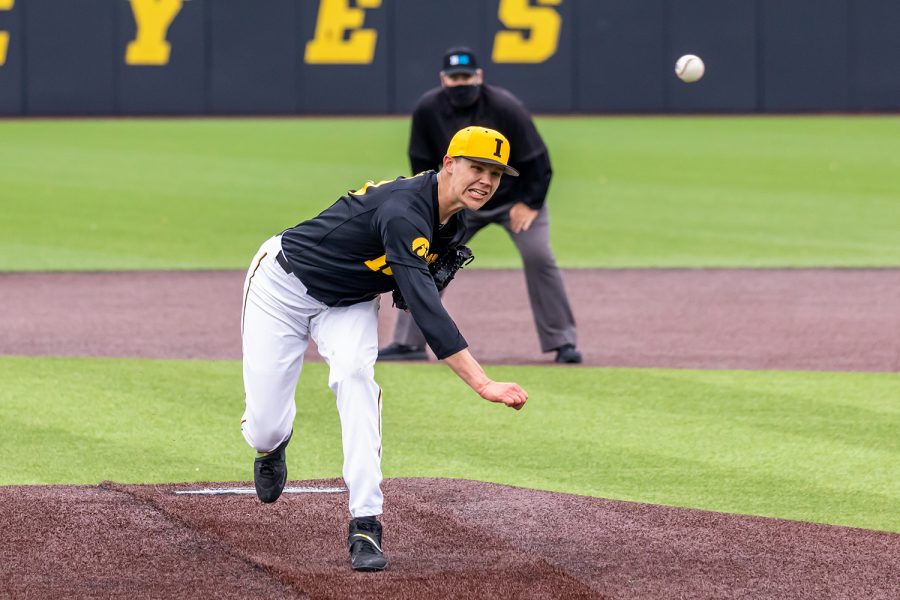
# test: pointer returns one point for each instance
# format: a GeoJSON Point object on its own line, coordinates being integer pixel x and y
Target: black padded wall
{"type": "Point", "coordinates": [144, 57]}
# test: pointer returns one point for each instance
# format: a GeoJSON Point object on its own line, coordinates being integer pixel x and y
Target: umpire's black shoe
{"type": "Point", "coordinates": [567, 354]}
{"type": "Point", "coordinates": [364, 541]}
{"type": "Point", "coordinates": [402, 352]}
{"type": "Point", "coordinates": [270, 472]}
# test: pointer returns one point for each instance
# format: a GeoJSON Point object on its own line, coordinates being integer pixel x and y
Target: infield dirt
{"type": "Point", "coordinates": [445, 538]}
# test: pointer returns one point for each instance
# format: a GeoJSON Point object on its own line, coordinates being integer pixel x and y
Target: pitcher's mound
{"type": "Point", "coordinates": [445, 539]}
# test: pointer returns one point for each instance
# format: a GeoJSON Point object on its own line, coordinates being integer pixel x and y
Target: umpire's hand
{"type": "Point", "coordinates": [521, 216]}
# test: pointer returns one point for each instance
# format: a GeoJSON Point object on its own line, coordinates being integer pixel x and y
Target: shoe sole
{"type": "Point", "coordinates": [277, 496]}
{"type": "Point", "coordinates": [281, 447]}
{"type": "Point", "coordinates": [369, 569]}
{"type": "Point", "coordinates": [573, 360]}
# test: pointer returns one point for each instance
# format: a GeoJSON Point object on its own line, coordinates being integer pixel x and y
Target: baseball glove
{"type": "Point", "coordinates": [443, 270]}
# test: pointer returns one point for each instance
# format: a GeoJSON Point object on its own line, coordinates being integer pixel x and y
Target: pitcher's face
{"type": "Point", "coordinates": [473, 183]}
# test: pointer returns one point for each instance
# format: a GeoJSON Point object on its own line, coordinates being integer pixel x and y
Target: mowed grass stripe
{"type": "Point", "coordinates": [627, 192]}
{"type": "Point", "coordinates": [729, 191]}
{"type": "Point", "coordinates": [809, 446]}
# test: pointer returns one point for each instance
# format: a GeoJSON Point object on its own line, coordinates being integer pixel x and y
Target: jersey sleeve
{"type": "Point", "coordinates": [404, 233]}
{"type": "Point", "coordinates": [406, 245]}
{"type": "Point", "coordinates": [424, 301]}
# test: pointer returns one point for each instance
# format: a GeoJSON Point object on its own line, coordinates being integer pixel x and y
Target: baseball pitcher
{"type": "Point", "coordinates": [323, 279]}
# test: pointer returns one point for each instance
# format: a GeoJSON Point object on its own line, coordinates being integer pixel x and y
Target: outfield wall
{"type": "Point", "coordinates": [135, 57]}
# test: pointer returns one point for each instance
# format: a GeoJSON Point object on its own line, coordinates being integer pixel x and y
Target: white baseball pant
{"type": "Point", "coordinates": [277, 321]}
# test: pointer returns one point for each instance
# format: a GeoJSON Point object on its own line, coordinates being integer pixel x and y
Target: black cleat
{"type": "Point", "coordinates": [567, 354]}
{"type": "Point", "coordinates": [364, 541]}
{"type": "Point", "coordinates": [270, 473]}
{"type": "Point", "coordinates": [402, 352]}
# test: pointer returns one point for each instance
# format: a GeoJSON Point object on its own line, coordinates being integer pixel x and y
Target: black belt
{"type": "Point", "coordinates": [283, 262]}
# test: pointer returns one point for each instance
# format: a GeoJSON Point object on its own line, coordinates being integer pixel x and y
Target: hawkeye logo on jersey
{"type": "Point", "coordinates": [419, 247]}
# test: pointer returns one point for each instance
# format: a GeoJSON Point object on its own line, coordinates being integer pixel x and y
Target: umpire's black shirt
{"type": "Point", "coordinates": [435, 121]}
{"type": "Point", "coordinates": [375, 239]}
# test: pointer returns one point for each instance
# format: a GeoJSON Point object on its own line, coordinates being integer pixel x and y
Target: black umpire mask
{"type": "Point", "coordinates": [463, 96]}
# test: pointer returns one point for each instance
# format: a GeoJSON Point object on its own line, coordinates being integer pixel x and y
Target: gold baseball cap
{"type": "Point", "coordinates": [482, 145]}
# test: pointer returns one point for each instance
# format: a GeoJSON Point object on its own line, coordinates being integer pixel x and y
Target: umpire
{"type": "Point", "coordinates": [463, 99]}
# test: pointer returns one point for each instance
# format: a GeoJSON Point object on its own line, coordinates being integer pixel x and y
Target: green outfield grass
{"type": "Point", "coordinates": [810, 446]}
{"type": "Point", "coordinates": [642, 192]}
{"type": "Point", "coordinates": [674, 191]}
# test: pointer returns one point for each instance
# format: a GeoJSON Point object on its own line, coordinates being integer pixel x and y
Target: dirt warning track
{"type": "Point", "coordinates": [803, 319]}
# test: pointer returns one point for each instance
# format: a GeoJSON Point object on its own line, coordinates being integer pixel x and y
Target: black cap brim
{"type": "Point", "coordinates": [508, 170]}
{"type": "Point", "coordinates": [459, 69]}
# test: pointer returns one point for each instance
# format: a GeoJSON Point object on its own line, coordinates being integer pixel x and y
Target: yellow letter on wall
{"type": "Point", "coordinates": [543, 23]}
{"type": "Point", "coordinates": [4, 35]}
{"type": "Point", "coordinates": [329, 45]}
{"type": "Point", "coordinates": [152, 18]}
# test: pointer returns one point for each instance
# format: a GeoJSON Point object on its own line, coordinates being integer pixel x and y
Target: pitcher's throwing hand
{"type": "Point", "coordinates": [508, 393]}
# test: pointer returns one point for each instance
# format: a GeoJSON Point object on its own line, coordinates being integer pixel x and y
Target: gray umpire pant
{"type": "Point", "coordinates": [553, 317]}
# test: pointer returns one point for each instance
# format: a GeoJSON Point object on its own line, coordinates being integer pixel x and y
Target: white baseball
{"type": "Point", "coordinates": [689, 68]}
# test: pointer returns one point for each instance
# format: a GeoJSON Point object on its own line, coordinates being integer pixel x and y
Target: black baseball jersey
{"type": "Point", "coordinates": [373, 240]}
{"type": "Point", "coordinates": [435, 121]}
